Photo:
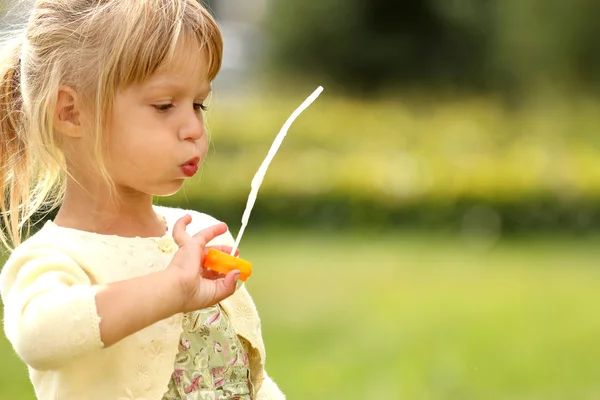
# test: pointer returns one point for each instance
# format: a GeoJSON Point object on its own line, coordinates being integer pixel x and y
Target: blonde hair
{"type": "Point", "coordinates": [97, 47]}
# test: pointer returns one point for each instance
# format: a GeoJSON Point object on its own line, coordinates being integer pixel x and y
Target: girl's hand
{"type": "Point", "coordinates": [200, 287]}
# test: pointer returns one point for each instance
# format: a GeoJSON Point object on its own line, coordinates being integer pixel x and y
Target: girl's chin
{"type": "Point", "coordinates": [168, 189]}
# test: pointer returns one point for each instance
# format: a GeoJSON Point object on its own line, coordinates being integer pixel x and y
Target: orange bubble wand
{"type": "Point", "coordinates": [222, 262]}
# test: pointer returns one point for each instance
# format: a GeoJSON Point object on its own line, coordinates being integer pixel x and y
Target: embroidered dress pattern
{"type": "Point", "coordinates": [212, 363]}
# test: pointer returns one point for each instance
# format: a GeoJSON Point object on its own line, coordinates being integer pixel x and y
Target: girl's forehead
{"type": "Point", "coordinates": [188, 64]}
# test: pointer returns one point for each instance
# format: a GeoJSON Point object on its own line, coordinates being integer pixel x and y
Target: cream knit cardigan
{"type": "Point", "coordinates": [48, 288]}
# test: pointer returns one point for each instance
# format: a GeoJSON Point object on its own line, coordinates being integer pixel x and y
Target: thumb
{"type": "Point", "coordinates": [226, 287]}
{"type": "Point", "coordinates": [180, 235]}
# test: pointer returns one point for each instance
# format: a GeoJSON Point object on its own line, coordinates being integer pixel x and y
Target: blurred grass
{"type": "Point", "coordinates": [415, 316]}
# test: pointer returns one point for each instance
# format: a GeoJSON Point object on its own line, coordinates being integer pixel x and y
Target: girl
{"type": "Point", "coordinates": [101, 106]}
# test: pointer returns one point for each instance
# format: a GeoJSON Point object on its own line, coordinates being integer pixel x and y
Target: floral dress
{"type": "Point", "coordinates": [212, 363]}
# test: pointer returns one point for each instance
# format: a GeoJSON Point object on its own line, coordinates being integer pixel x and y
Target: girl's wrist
{"type": "Point", "coordinates": [174, 288]}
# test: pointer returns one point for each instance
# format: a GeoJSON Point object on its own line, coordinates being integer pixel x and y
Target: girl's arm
{"type": "Point", "coordinates": [54, 313]}
{"type": "Point", "coordinates": [129, 306]}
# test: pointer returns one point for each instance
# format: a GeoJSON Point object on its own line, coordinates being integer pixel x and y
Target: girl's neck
{"type": "Point", "coordinates": [132, 215]}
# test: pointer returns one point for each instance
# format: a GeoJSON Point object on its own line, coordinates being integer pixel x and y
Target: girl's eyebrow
{"type": "Point", "coordinates": [177, 87]}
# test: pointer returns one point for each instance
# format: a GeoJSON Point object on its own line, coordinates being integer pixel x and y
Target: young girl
{"type": "Point", "coordinates": [101, 106]}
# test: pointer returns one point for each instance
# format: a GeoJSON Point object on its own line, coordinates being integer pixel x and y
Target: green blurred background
{"type": "Point", "coordinates": [429, 228]}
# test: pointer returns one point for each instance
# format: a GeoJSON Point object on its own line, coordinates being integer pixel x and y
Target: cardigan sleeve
{"type": "Point", "coordinates": [269, 390]}
{"type": "Point", "coordinates": [50, 314]}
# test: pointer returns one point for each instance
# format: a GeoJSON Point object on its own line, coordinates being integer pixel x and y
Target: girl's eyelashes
{"type": "Point", "coordinates": [200, 106]}
{"type": "Point", "coordinates": [163, 107]}
{"type": "Point", "coordinates": [167, 107]}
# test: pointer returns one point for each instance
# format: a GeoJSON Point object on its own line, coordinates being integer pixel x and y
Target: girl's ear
{"type": "Point", "coordinates": [67, 113]}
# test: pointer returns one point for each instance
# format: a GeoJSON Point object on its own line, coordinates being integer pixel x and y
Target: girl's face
{"type": "Point", "coordinates": [156, 134]}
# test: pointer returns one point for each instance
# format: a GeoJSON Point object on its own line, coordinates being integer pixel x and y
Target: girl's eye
{"type": "Point", "coordinates": [167, 107]}
{"type": "Point", "coordinates": [199, 106]}
{"type": "Point", "coordinates": [163, 107]}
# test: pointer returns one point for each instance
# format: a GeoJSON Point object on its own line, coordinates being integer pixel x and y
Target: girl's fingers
{"type": "Point", "coordinates": [208, 234]}
{"type": "Point", "coordinates": [225, 287]}
{"type": "Point", "coordinates": [180, 235]}
{"type": "Point", "coordinates": [224, 249]}
{"type": "Point", "coordinates": [210, 274]}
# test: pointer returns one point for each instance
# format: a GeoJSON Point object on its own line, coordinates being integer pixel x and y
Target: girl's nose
{"type": "Point", "coordinates": [193, 128]}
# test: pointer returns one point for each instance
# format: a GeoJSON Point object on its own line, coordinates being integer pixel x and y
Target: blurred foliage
{"type": "Point", "coordinates": [503, 46]}
{"type": "Point", "coordinates": [467, 164]}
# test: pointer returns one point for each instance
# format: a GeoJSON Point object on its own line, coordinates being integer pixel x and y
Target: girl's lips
{"type": "Point", "coordinates": [189, 170]}
{"type": "Point", "coordinates": [194, 160]}
{"type": "Point", "coordinates": [191, 167]}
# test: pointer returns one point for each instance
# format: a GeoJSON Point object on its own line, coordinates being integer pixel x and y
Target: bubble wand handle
{"type": "Point", "coordinates": [262, 170]}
